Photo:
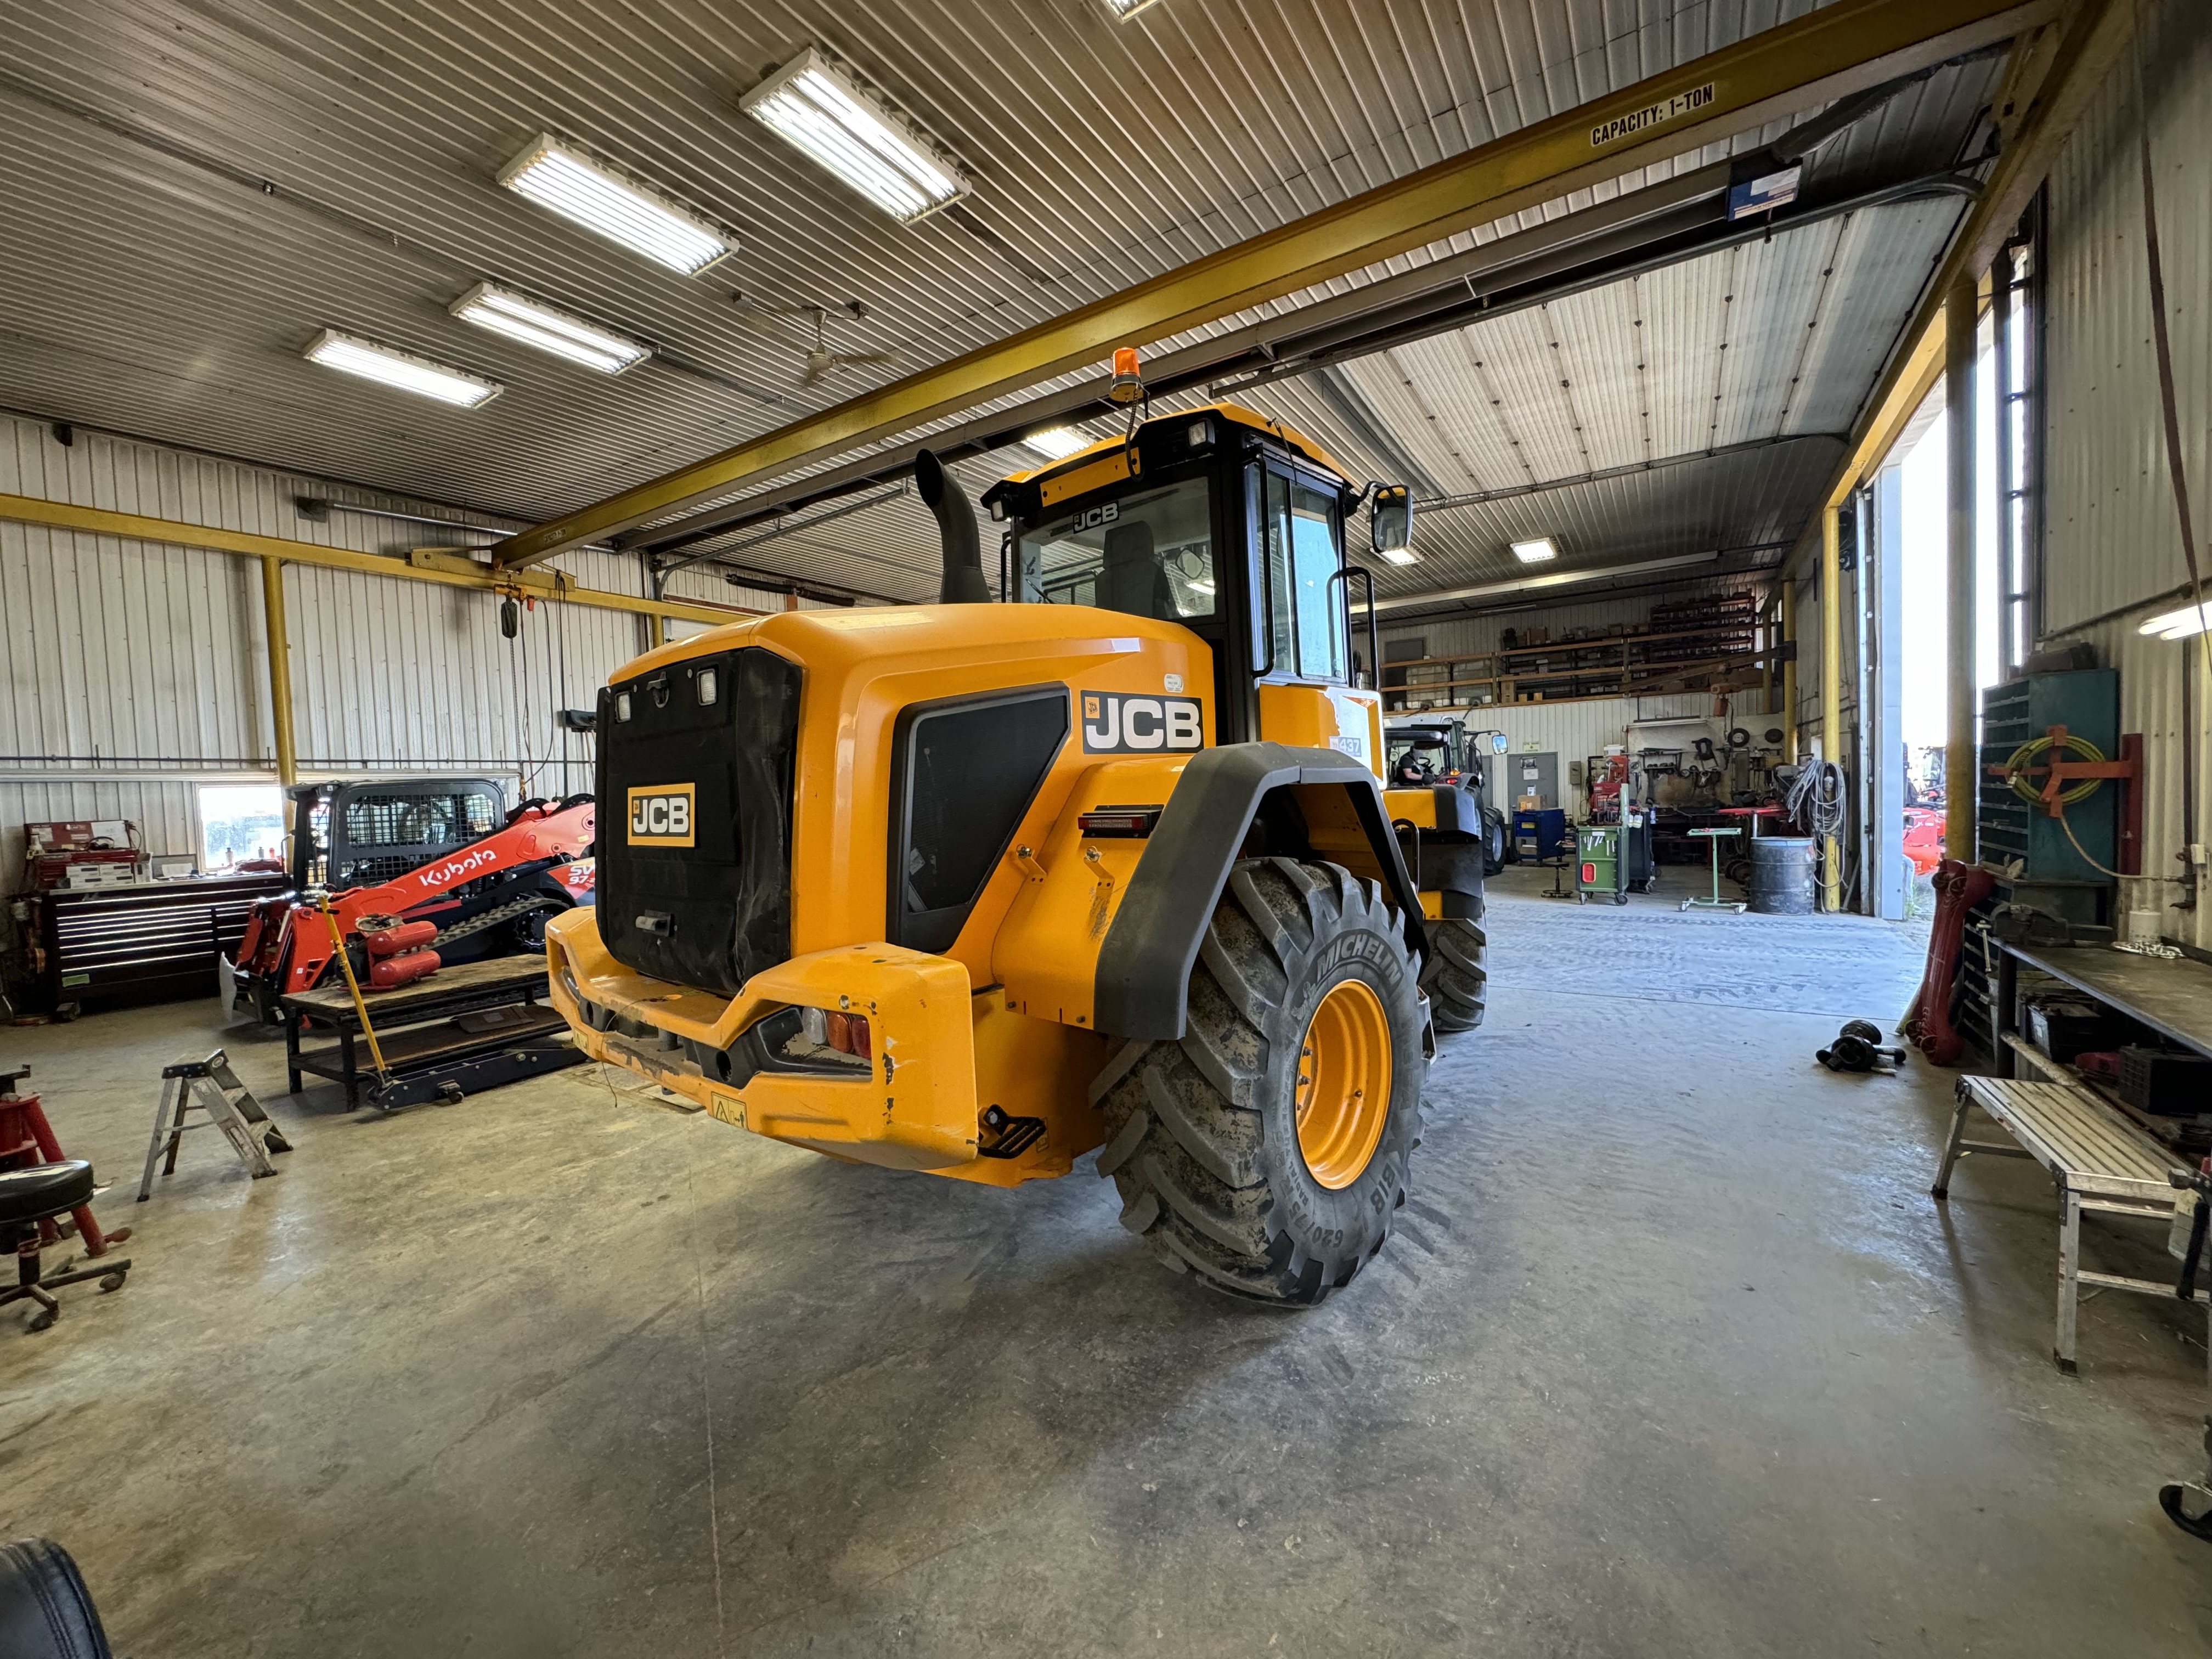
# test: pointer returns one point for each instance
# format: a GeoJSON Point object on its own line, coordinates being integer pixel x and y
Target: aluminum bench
{"type": "Point", "coordinates": [2097, 1160]}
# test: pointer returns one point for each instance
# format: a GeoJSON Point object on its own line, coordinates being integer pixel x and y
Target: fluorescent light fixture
{"type": "Point", "coordinates": [1125, 9]}
{"type": "Point", "coordinates": [1537, 551]}
{"type": "Point", "coordinates": [2180, 624]}
{"type": "Point", "coordinates": [1400, 555]}
{"type": "Point", "coordinates": [541, 326]}
{"type": "Point", "coordinates": [816, 106]}
{"type": "Point", "coordinates": [1057, 443]}
{"type": "Point", "coordinates": [403, 369]}
{"type": "Point", "coordinates": [1556, 579]}
{"type": "Point", "coordinates": [561, 177]}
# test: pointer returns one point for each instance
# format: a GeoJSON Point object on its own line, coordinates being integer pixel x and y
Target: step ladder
{"type": "Point", "coordinates": [208, 1083]}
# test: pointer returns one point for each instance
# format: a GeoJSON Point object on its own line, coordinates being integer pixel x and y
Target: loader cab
{"type": "Point", "coordinates": [1229, 524]}
{"type": "Point", "coordinates": [358, 835]}
{"type": "Point", "coordinates": [1441, 749]}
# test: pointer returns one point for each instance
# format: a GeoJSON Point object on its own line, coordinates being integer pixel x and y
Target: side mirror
{"type": "Point", "coordinates": [1390, 523]}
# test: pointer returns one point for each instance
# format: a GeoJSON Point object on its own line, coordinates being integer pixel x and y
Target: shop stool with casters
{"type": "Point", "coordinates": [39, 1194]}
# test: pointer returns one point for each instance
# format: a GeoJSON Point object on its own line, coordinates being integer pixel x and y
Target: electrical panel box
{"type": "Point", "coordinates": [1536, 776]}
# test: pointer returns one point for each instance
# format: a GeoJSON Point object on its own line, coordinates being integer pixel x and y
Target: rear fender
{"type": "Point", "coordinates": [1316, 802]}
{"type": "Point", "coordinates": [1440, 837]}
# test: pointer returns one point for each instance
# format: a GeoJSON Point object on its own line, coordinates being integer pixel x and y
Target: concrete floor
{"type": "Point", "coordinates": [1673, 1355]}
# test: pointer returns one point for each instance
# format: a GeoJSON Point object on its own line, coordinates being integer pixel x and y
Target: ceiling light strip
{"type": "Point", "coordinates": [826, 114]}
{"type": "Point", "coordinates": [403, 369]}
{"type": "Point", "coordinates": [1555, 579]}
{"type": "Point", "coordinates": [1057, 443]}
{"type": "Point", "coordinates": [548, 328]}
{"type": "Point", "coordinates": [561, 178]}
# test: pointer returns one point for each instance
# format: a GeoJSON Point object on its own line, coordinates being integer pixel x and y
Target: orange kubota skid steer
{"type": "Point", "coordinates": [419, 873]}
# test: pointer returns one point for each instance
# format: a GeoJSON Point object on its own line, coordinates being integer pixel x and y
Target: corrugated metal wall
{"type": "Point", "coordinates": [136, 672]}
{"type": "Point", "coordinates": [2112, 534]}
{"type": "Point", "coordinates": [2113, 537]}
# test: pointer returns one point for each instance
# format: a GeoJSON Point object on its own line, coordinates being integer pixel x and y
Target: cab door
{"type": "Point", "coordinates": [1301, 648]}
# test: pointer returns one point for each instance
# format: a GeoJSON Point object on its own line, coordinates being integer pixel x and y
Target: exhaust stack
{"type": "Point", "coordinates": [956, 526]}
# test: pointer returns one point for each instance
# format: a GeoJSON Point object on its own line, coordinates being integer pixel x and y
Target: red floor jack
{"type": "Point", "coordinates": [27, 1140]}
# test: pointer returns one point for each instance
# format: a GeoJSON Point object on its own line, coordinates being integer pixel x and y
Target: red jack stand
{"type": "Point", "coordinates": [27, 1140]}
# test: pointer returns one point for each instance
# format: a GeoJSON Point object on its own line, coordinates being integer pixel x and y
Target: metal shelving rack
{"type": "Point", "coordinates": [1721, 634]}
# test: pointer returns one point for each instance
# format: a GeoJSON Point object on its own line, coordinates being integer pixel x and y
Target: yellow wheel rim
{"type": "Point", "coordinates": [1344, 1083]}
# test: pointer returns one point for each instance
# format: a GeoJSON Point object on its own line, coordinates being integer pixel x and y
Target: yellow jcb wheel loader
{"type": "Point", "coordinates": [976, 888]}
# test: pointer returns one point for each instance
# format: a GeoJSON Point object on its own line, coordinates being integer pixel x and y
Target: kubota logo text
{"type": "Point", "coordinates": [660, 815]}
{"type": "Point", "coordinates": [460, 869]}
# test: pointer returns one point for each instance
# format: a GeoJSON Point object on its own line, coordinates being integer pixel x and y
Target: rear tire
{"type": "Point", "coordinates": [1494, 841]}
{"type": "Point", "coordinates": [1202, 1135]}
{"type": "Point", "coordinates": [45, 1612]}
{"type": "Point", "coordinates": [1454, 975]}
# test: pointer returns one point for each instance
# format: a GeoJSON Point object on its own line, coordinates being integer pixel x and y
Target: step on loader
{"type": "Point", "coordinates": [976, 888]}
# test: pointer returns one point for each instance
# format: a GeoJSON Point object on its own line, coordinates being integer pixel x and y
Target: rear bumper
{"type": "Point", "coordinates": [914, 1108]}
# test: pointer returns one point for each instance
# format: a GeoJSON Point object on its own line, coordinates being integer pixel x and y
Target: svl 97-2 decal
{"type": "Point", "coordinates": [1114, 723]}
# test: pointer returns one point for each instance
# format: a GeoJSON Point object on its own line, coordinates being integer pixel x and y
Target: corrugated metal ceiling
{"type": "Point", "coordinates": [193, 189]}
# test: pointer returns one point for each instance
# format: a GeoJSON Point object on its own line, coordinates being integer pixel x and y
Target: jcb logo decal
{"type": "Point", "coordinates": [1116, 724]}
{"type": "Point", "coordinates": [661, 815]}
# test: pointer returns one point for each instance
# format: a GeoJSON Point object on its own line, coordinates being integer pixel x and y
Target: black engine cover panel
{"type": "Point", "coordinates": [695, 824]}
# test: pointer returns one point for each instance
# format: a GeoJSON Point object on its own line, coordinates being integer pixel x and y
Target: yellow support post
{"type": "Point", "coordinates": [1831, 687]}
{"type": "Point", "coordinates": [280, 668]}
{"type": "Point", "coordinates": [1961, 782]}
{"type": "Point", "coordinates": [1790, 749]}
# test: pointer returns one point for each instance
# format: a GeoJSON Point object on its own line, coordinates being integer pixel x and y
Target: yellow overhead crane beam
{"type": "Point", "coordinates": [444, 566]}
{"type": "Point", "coordinates": [1841, 48]}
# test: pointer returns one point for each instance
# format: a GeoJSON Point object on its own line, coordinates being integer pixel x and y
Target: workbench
{"type": "Point", "coordinates": [2172, 996]}
{"type": "Point", "coordinates": [2104, 1155]}
{"type": "Point", "coordinates": [461, 1030]}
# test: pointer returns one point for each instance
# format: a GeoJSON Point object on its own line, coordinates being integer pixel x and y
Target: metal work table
{"type": "Point", "coordinates": [2172, 996]}
{"type": "Point", "coordinates": [463, 1029]}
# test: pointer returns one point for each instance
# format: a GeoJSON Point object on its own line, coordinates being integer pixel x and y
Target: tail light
{"type": "Point", "coordinates": [1118, 823]}
{"type": "Point", "coordinates": [848, 1035]}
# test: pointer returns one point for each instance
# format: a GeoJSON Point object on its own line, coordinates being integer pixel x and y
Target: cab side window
{"type": "Point", "coordinates": [1314, 561]}
{"type": "Point", "coordinates": [1305, 620]}
{"type": "Point", "coordinates": [1274, 527]}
